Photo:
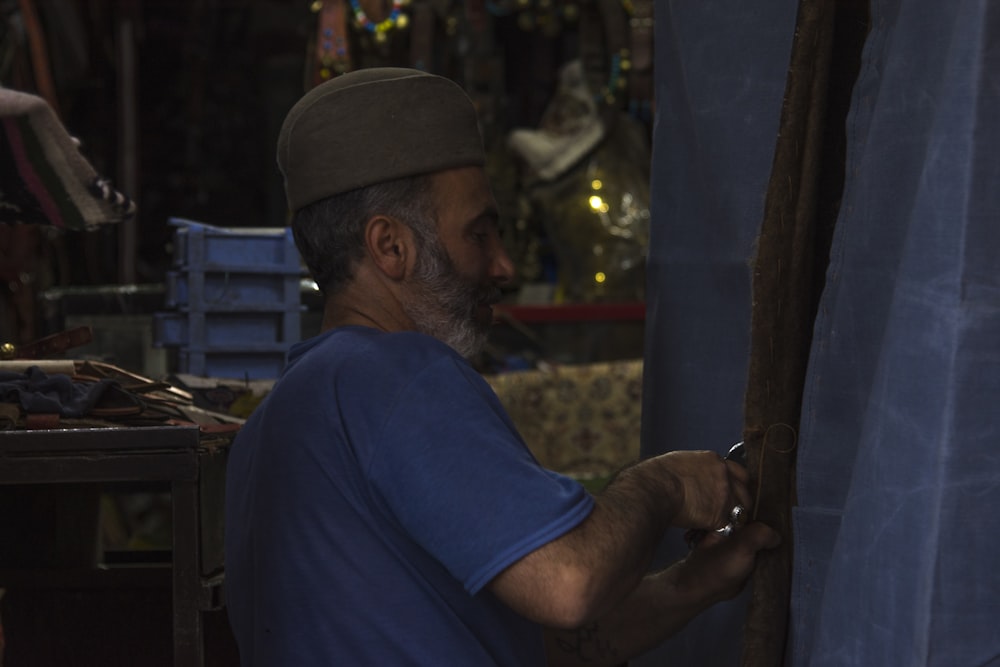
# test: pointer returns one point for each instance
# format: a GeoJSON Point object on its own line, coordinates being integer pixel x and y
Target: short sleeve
{"type": "Point", "coordinates": [452, 470]}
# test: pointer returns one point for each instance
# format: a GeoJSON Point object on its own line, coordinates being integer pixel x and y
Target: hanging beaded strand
{"type": "Point", "coordinates": [332, 53]}
{"type": "Point", "coordinates": [618, 70]}
{"type": "Point", "coordinates": [396, 19]}
{"type": "Point", "coordinates": [619, 66]}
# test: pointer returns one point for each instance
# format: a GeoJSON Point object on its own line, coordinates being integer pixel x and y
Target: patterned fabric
{"type": "Point", "coordinates": [43, 177]}
{"type": "Point", "coordinates": [580, 420]}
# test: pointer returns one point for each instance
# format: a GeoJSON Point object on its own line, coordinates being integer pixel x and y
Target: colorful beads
{"type": "Point", "coordinates": [618, 69]}
{"type": "Point", "coordinates": [396, 19]}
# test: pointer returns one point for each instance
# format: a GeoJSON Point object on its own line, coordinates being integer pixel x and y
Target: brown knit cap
{"type": "Point", "coordinates": [375, 125]}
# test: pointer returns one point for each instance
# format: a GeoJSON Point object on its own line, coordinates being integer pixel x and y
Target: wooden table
{"type": "Point", "coordinates": [173, 457]}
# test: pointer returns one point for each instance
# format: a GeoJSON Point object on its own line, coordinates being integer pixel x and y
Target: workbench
{"type": "Point", "coordinates": [172, 458]}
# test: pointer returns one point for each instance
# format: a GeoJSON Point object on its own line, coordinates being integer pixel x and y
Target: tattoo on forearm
{"type": "Point", "coordinates": [587, 644]}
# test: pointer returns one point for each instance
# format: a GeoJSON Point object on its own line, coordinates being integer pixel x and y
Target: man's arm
{"type": "Point", "coordinates": [582, 575]}
{"type": "Point", "coordinates": [664, 602]}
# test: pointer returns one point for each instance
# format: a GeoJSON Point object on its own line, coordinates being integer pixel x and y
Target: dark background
{"type": "Point", "coordinates": [205, 85]}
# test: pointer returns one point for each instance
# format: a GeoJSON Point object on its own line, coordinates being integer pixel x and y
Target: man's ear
{"type": "Point", "coordinates": [390, 244]}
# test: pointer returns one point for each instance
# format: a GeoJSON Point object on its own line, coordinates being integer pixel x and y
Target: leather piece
{"type": "Point", "coordinates": [55, 344]}
{"type": "Point", "coordinates": [641, 40]}
{"type": "Point", "coordinates": [422, 35]}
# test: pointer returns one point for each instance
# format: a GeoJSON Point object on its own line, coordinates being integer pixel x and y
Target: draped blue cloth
{"type": "Point", "coordinates": [721, 67]}
{"type": "Point", "coordinates": [897, 529]}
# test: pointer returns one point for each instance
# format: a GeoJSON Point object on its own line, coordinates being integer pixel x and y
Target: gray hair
{"type": "Point", "coordinates": [329, 233]}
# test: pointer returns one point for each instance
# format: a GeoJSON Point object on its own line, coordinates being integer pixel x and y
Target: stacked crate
{"type": "Point", "coordinates": [234, 295]}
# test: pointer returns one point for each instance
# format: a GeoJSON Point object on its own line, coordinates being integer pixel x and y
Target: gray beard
{"type": "Point", "coordinates": [443, 305]}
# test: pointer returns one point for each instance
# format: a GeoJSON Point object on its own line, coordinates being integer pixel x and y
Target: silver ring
{"type": "Point", "coordinates": [736, 513]}
{"type": "Point", "coordinates": [726, 530]}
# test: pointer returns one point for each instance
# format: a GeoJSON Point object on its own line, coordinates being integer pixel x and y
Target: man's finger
{"type": "Point", "coordinates": [759, 535]}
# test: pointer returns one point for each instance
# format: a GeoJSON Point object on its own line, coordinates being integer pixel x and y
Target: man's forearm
{"type": "Point", "coordinates": [584, 574]}
{"type": "Point", "coordinates": [619, 538]}
{"type": "Point", "coordinates": [655, 610]}
{"type": "Point", "coordinates": [664, 602]}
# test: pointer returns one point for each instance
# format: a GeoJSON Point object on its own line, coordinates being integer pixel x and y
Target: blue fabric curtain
{"type": "Point", "coordinates": [721, 67]}
{"type": "Point", "coordinates": [897, 529]}
{"type": "Point", "coordinates": [897, 532]}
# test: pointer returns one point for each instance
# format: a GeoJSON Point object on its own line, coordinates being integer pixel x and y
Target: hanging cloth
{"type": "Point", "coordinates": [44, 179]}
{"type": "Point", "coordinates": [896, 532]}
{"type": "Point", "coordinates": [721, 70]}
{"type": "Point", "coordinates": [791, 257]}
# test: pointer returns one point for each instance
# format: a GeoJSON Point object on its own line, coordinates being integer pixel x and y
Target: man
{"type": "Point", "coordinates": [381, 507]}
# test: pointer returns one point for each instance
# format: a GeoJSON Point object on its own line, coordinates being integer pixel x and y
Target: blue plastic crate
{"type": "Point", "coordinates": [229, 364]}
{"type": "Point", "coordinates": [202, 247]}
{"type": "Point", "coordinates": [232, 291]}
{"type": "Point", "coordinates": [245, 331]}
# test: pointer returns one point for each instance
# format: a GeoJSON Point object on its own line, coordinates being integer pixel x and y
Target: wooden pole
{"type": "Point", "coordinates": [783, 307]}
{"type": "Point", "coordinates": [128, 135]}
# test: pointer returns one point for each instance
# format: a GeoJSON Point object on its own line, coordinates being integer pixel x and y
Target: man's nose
{"type": "Point", "coordinates": [502, 269]}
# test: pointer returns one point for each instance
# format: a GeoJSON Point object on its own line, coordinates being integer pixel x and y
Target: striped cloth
{"type": "Point", "coordinates": [43, 177]}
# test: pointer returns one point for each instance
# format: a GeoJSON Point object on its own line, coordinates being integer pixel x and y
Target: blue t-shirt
{"type": "Point", "coordinates": [370, 498]}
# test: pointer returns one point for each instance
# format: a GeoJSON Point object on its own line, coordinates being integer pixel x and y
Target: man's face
{"type": "Point", "coordinates": [460, 270]}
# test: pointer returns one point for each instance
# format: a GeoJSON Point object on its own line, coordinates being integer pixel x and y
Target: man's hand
{"type": "Point", "coordinates": [718, 567]}
{"type": "Point", "coordinates": [709, 487]}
